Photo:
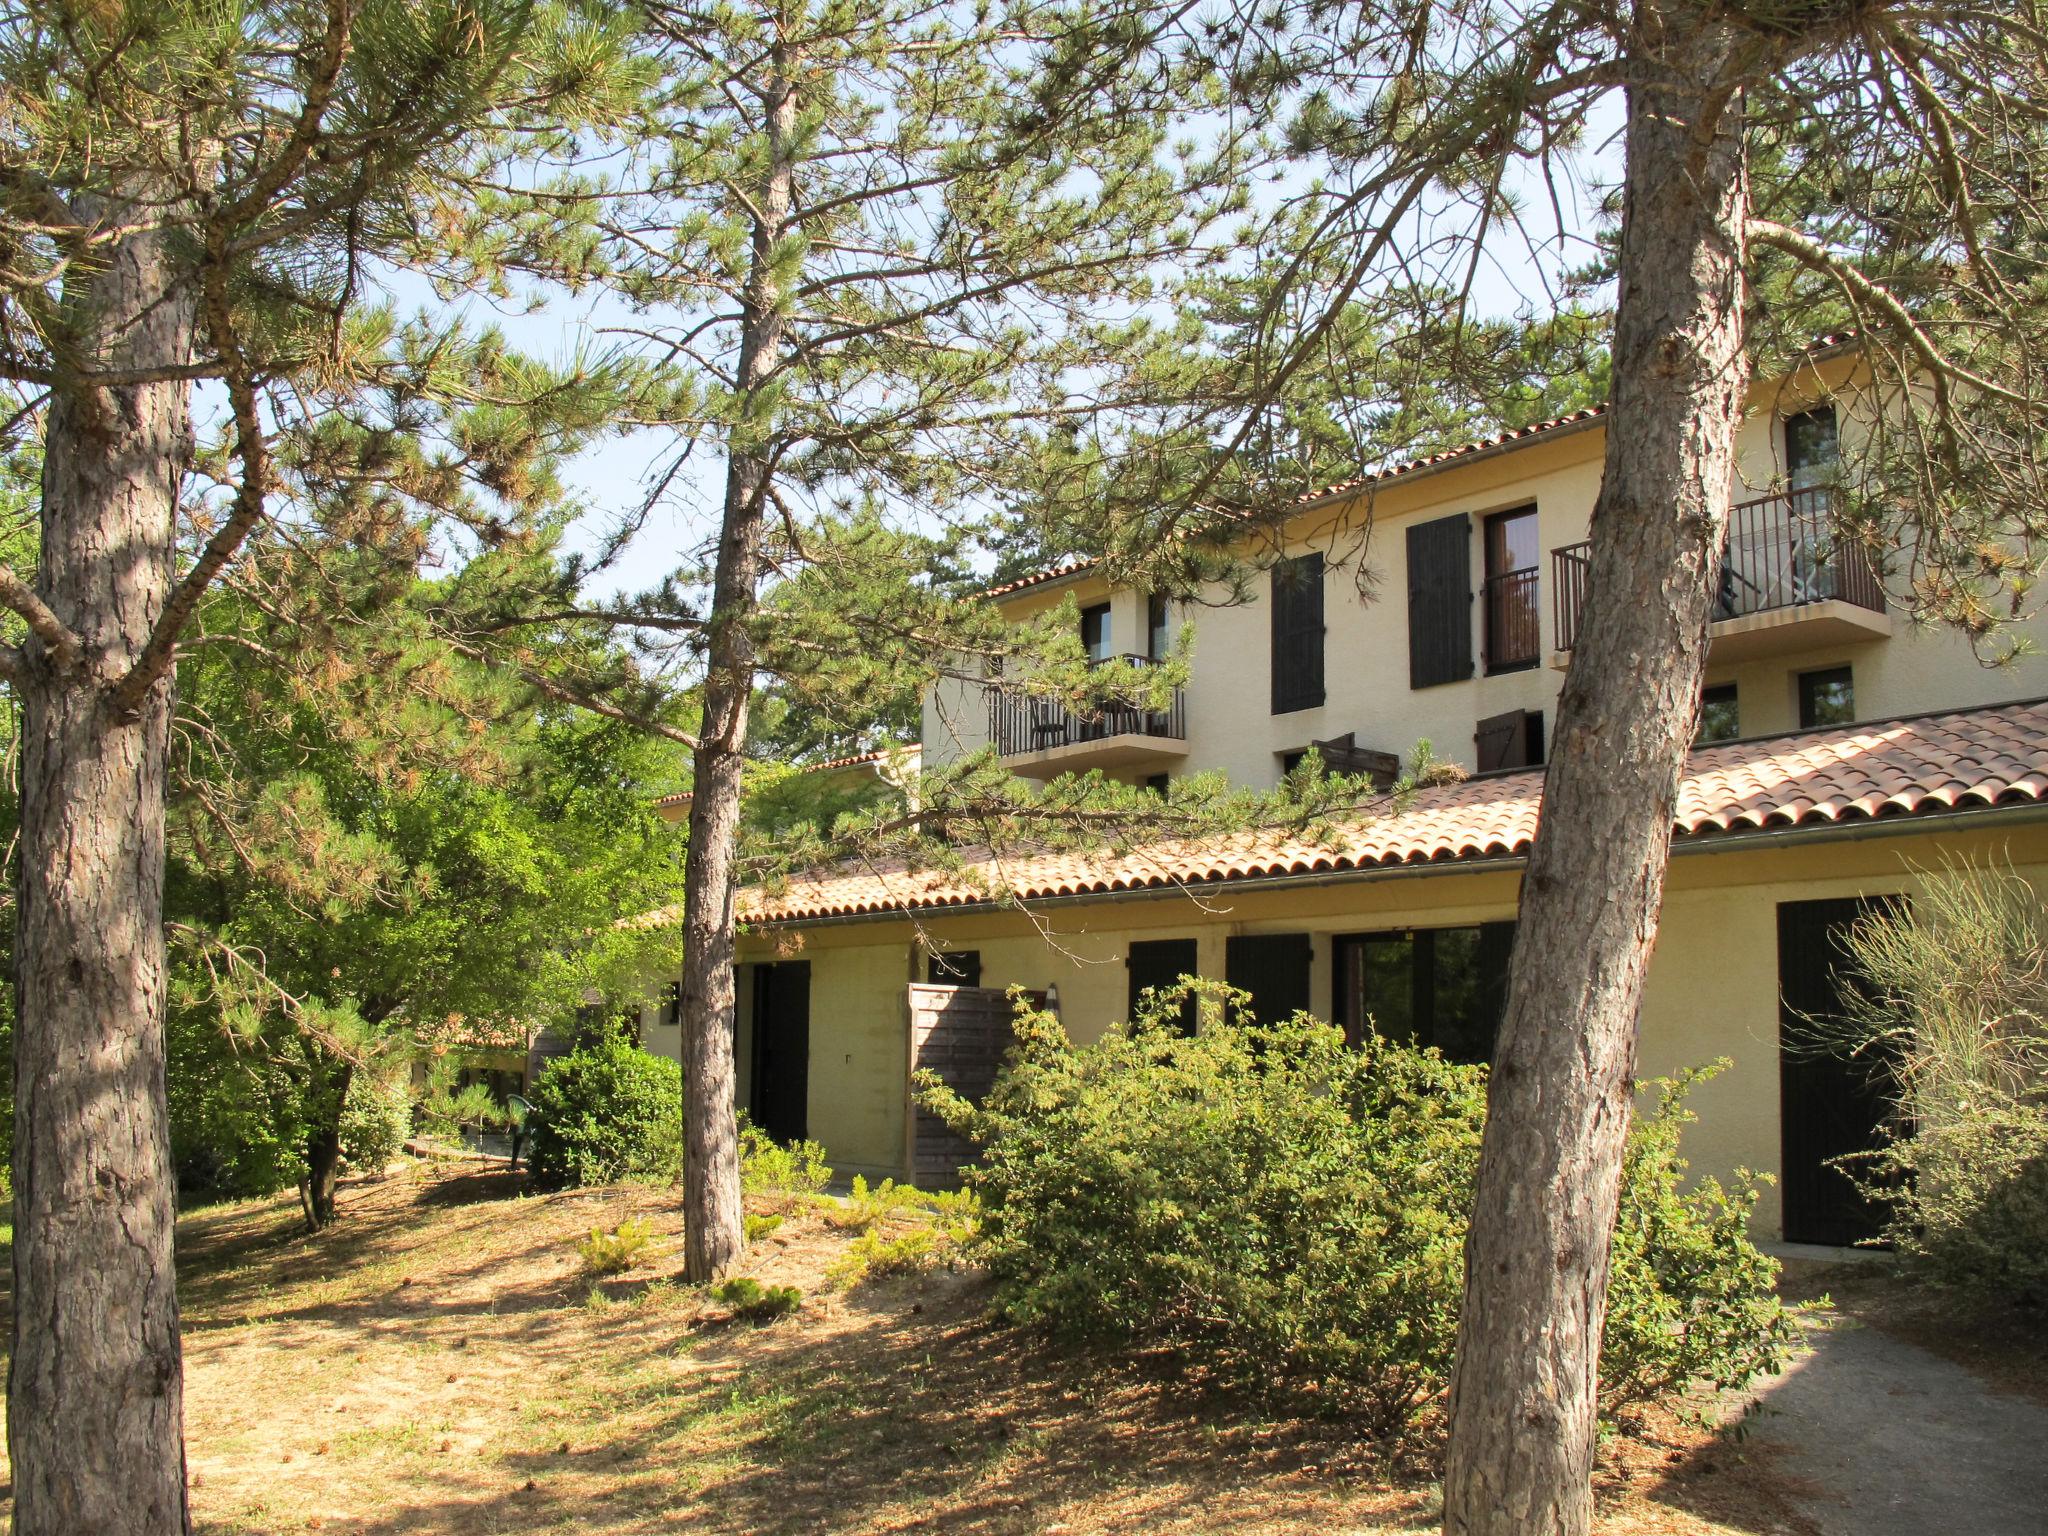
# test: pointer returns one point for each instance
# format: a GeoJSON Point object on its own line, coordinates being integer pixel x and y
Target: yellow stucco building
{"type": "Point", "coordinates": [1843, 754]}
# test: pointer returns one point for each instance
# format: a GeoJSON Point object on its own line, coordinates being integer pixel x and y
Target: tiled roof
{"type": "Point", "coordinates": [1886, 769]}
{"type": "Point", "coordinates": [1393, 471]}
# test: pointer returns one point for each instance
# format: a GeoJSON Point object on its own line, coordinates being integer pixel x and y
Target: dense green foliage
{"type": "Point", "coordinates": [607, 1111]}
{"type": "Point", "coordinates": [376, 1118]}
{"type": "Point", "coordinates": [1954, 1011]}
{"type": "Point", "coordinates": [1288, 1215]}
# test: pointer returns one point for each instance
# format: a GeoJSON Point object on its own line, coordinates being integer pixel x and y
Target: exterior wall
{"type": "Point", "coordinates": [1230, 725]}
{"type": "Point", "coordinates": [857, 1095]}
{"type": "Point", "coordinates": [1712, 989]}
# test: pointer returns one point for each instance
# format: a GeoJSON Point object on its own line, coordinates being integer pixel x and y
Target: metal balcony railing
{"type": "Point", "coordinates": [1023, 722]}
{"type": "Point", "coordinates": [1783, 551]}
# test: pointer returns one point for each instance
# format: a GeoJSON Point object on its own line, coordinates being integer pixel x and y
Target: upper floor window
{"type": "Point", "coordinates": [1720, 718]}
{"type": "Point", "coordinates": [1812, 448]}
{"type": "Point", "coordinates": [1095, 632]}
{"type": "Point", "coordinates": [1826, 698]}
{"type": "Point", "coordinates": [1298, 633]}
{"type": "Point", "coordinates": [1513, 640]}
{"type": "Point", "coordinates": [1155, 626]}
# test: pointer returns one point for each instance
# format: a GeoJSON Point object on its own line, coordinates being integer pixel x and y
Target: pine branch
{"type": "Point", "coordinates": [59, 640]}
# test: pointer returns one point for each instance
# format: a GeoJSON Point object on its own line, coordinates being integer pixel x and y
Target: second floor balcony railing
{"type": "Point", "coordinates": [1783, 552]}
{"type": "Point", "coordinates": [1024, 722]}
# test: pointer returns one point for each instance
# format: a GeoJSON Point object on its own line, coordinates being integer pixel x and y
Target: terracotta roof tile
{"type": "Point", "coordinates": [1359, 482]}
{"type": "Point", "coordinates": [1959, 760]}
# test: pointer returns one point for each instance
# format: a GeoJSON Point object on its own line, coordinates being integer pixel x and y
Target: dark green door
{"type": "Point", "coordinates": [780, 1101]}
{"type": "Point", "coordinates": [1832, 1101]}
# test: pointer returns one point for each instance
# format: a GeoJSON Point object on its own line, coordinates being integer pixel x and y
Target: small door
{"type": "Point", "coordinates": [1831, 1103]}
{"type": "Point", "coordinates": [780, 1101]}
{"type": "Point", "coordinates": [1274, 968]}
{"type": "Point", "coordinates": [1162, 963]}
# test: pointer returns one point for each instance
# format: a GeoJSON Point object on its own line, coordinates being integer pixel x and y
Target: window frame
{"type": "Point", "coordinates": [1158, 625]}
{"type": "Point", "coordinates": [1492, 535]}
{"type": "Point", "coordinates": [1809, 684]}
{"type": "Point", "coordinates": [1711, 693]}
{"type": "Point", "coordinates": [1097, 613]}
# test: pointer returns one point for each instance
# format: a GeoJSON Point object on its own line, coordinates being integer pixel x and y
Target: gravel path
{"type": "Point", "coordinates": [1880, 1437]}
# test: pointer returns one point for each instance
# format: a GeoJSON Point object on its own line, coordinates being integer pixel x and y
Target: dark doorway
{"type": "Point", "coordinates": [1161, 963]}
{"type": "Point", "coordinates": [1273, 967]}
{"type": "Point", "coordinates": [779, 1103]}
{"type": "Point", "coordinates": [1831, 1102]}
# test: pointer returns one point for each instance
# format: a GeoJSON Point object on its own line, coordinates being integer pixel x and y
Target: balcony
{"type": "Point", "coordinates": [1042, 738]}
{"type": "Point", "coordinates": [1786, 584]}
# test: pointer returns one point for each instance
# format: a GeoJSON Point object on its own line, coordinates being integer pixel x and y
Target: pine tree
{"type": "Point", "coordinates": [1787, 169]}
{"type": "Point", "coordinates": [873, 246]}
{"type": "Point", "coordinates": [193, 192]}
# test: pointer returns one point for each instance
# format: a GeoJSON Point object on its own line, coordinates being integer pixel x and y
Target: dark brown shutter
{"type": "Point", "coordinates": [1440, 601]}
{"type": "Point", "coordinates": [1512, 740]}
{"type": "Point", "coordinates": [1274, 968]}
{"type": "Point", "coordinates": [1298, 634]}
{"type": "Point", "coordinates": [1162, 963]}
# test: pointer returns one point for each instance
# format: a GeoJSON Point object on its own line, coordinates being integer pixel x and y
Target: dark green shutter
{"type": "Point", "coordinates": [1162, 963]}
{"type": "Point", "coordinates": [1298, 634]}
{"type": "Point", "coordinates": [1440, 601]}
{"type": "Point", "coordinates": [1274, 968]}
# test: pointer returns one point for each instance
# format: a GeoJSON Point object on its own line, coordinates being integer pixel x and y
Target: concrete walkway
{"type": "Point", "coordinates": [1880, 1437]}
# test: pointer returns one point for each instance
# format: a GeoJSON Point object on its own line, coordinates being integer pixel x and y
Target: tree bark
{"type": "Point", "coordinates": [95, 1391]}
{"type": "Point", "coordinates": [713, 1230]}
{"type": "Point", "coordinates": [1523, 1395]}
{"type": "Point", "coordinates": [323, 1151]}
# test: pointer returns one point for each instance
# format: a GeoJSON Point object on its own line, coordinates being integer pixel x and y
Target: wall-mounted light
{"type": "Point", "coordinates": [1052, 998]}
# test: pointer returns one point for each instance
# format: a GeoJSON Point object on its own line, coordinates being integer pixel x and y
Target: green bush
{"type": "Point", "coordinates": [756, 1302]}
{"type": "Point", "coordinates": [1954, 1004]}
{"type": "Point", "coordinates": [607, 1111]}
{"type": "Point", "coordinates": [1287, 1214]}
{"type": "Point", "coordinates": [608, 1253]}
{"type": "Point", "coordinates": [376, 1119]}
{"type": "Point", "coordinates": [769, 1168]}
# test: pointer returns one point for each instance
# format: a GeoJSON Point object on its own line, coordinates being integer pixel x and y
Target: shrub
{"type": "Point", "coordinates": [769, 1168]}
{"type": "Point", "coordinates": [758, 1227]}
{"type": "Point", "coordinates": [376, 1119]}
{"type": "Point", "coordinates": [1287, 1214]}
{"type": "Point", "coordinates": [609, 1253]}
{"type": "Point", "coordinates": [947, 1223]}
{"type": "Point", "coordinates": [865, 1205]}
{"type": "Point", "coordinates": [1955, 1002]}
{"type": "Point", "coordinates": [756, 1302]}
{"type": "Point", "coordinates": [607, 1111]}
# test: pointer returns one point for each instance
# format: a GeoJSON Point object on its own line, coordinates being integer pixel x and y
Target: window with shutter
{"type": "Point", "coordinates": [1298, 634]}
{"type": "Point", "coordinates": [1440, 601]}
{"type": "Point", "coordinates": [1512, 740]}
{"type": "Point", "coordinates": [1162, 963]}
{"type": "Point", "coordinates": [1274, 968]}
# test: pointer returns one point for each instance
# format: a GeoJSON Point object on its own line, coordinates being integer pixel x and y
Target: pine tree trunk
{"type": "Point", "coordinates": [713, 1231]}
{"type": "Point", "coordinates": [95, 1393]}
{"type": "Point", "coordinates": [1524, 1391]}
{"type": "Point", "coordinates": [323, 1151]}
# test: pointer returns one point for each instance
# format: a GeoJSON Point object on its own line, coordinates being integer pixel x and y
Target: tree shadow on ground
{"type": "Point", "coordinates": [915, 1410]}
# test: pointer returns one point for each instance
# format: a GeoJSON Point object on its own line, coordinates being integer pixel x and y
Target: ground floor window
{"type": "Point", "coordinates": [1442, 987]}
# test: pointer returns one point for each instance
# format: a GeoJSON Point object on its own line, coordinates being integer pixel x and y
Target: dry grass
{"type": "Point", "coordinates": [438, 1362]}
